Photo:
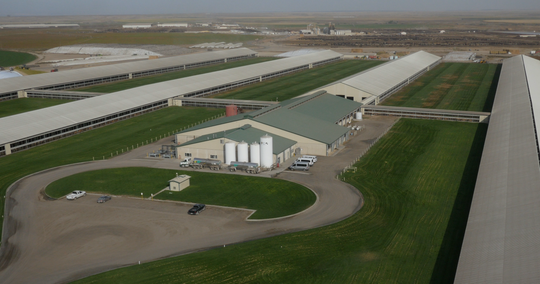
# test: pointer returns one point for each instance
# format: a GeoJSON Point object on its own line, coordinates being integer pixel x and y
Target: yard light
{"type": "Point", "coordinates": [142, 196]}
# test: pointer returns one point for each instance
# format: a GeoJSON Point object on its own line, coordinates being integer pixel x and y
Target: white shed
{"type": "Point", "coordinates": [179, 183]}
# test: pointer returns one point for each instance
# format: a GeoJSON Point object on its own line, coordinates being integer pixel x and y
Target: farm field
{"type": "Point", "coordinates": [100, 142]}
{"type": "Point", "coordinates": [12, 107]}
{"type": "Point", "coordinates": [42, 39]}
{"type": "Point", "coordinates": [292, 85]}
{"type": "Point", "coordinates": [137, 82]}
{"type": "Point", "coordinates": [455, 86]}
{"type": "Point", "coordinates": [271, 198]}
{"type": "Point", "coordinates": [12, 58]}
{"type": "Point", "coordinates": [417, 183]}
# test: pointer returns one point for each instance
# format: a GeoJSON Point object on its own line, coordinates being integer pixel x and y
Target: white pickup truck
{"type": "Point", "coordinates": [185, 163]}
{"type": "Point", "coordinates": [76, 194]}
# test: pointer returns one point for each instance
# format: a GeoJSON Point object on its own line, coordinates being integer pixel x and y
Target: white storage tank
{"type": "Point", "coordinates": [267, 147]}
{"type": "Point", "coordinates": [243, 152]}
{"type": "Point", "coordinates": [358, 116]}
{"type": "Point", "coordinates": [255, 153]}
{"type": "Point", "coordinates": [230, 152]}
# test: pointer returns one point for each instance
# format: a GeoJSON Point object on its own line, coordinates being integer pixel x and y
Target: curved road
{"type": "Point", "coordinates": [59, 241]}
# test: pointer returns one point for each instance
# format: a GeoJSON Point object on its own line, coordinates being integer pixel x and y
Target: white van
{"type": "Point", "coordinates": [313, 158]}
{"type": "Point", "coordinates": [305, 160]}
{"type": "Point", "coordinates": [299, 167]}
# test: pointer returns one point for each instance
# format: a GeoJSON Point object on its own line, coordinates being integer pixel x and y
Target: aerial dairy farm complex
{"type": "Point", "coordinates": [37, 127]}
{"type": "Point", "coordinates": [340, 123]}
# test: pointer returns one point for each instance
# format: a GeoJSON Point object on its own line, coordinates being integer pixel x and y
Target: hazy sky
{"type": "Point", "coordinates": [116, 7]}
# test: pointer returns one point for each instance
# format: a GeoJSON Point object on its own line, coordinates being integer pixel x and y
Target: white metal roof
{"type": "Point", "coordinates": [20, 126]}
{"type": "Point", "coordinates": [502, 238]}
{"type": "Point", "coordinates": [48, 79]}
{"type": "Point", "coordinates": [379, 79]}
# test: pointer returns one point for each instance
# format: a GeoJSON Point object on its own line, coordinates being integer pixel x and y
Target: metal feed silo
{"type": "Point", "coordinates": [358, 116]}
{"type": "Point", "coordinates": [243, 152]}
{"type": "Point", "coordinates": [230, 152]}
{"type": "Point", "coordinates": [255, 153]}
{"type": "Point", "coordinates": [267, 147]}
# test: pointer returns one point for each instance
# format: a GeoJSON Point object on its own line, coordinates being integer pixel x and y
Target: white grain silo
{"type": "Point", "coordinates": [358, 116]}
{"type": "Point", "coordinates": [230, 152]}
{"type": "Point", "coordinates": [267, 147]}
{"type": "Point", "coordinates": [255, 153]}
{"type": "Point", "coordinates": [243, 152]}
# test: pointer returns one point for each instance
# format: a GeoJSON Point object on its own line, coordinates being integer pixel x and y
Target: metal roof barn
{"type": "Point", "coordinates": [32, 127]}
{"type": "Point", "coordinates": [502, 238]}
{"type": "Point", "coordinates": [87, 76]}
{"type": "Point", "coordinates": [373, 85]}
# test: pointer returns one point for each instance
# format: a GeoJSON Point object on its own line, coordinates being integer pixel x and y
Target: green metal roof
{"type": "Point", "coordinates": [328, 107]}
{"type": "Point", "coordinates": [247, 134]}
{"type": "Point", "coordinates": [312, 116]}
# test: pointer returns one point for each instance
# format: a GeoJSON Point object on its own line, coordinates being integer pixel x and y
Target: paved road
{"type": "Point", "coordinates": [59, 241]}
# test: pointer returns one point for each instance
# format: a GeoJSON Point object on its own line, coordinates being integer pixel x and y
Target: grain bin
{"type": "Point", "coordinates": [231, 110]}
{"type": "Point", "coordinates": [358, 116]}
{"type": "Point", "coordinates": [267, 155]}
{"type": "Point", "coordinates": [230, 152]}
{"type": "Point", "coordinates": [243, 152]}
{"type": "Point", "coordinates": [255, 153]}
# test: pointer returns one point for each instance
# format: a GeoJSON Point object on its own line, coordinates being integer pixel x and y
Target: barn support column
{"type": "Point", "coordinates": [130, 75]}
{"type": "Point", "coordinates": [7, 148]}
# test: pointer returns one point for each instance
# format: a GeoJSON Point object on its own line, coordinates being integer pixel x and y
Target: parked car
{"type": "Point", "coordinates": [299, 167]}
{"type": "Point", "coordinates": [308, 161]}
{"type": "Point", "coordinates": [313, 158]}
{"type": "Point", "coordinates": [76, 194]}
{"type": "Point", "coordinates": [103, 199]}
{"type": "Point", "coordinates": [196, 209]}
{"type": "Point", "coordinates": [153, 155]}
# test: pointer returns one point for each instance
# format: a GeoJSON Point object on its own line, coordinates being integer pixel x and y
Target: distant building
{"type": "Point", "coordinates": [306, 32]}
{"type": "Point", "coordinates": [403, 33]}
{"type": "Point", "coordinates": [137, 26]}
{"type": "Point", "coordinates": [343, 32]}
{"type": "Point", "coordinates": [442, 31]}
{"type": "Point", "coordinates": [177, 25]}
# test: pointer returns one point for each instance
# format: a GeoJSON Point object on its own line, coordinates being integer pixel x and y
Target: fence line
{"type": "Point", "coordinates": [340, 175]}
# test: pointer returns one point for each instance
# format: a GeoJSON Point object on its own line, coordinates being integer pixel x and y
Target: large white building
{"type": "Point", "coordinates": [137, 26]}
{"type": "Point", "coordinates": [176, 25]}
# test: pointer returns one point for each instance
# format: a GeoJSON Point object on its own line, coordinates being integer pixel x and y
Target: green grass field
{"type": "Point", "coordinates": [271, 198]}
{"type": "Point", "coordinates": [137, 82]}
{"type": "Point", "coordinates": [12, 58]}
{"type": "Point", "coordinates": [17, 106]}
{"type": "Point", "coordinates": [292, 85]}
{"type": "Point", "coordinates": [97, 143]}
{"type": "Point", "coordinates": [417, 183]}
{"type": "Point", "coordinates": [455, 86]}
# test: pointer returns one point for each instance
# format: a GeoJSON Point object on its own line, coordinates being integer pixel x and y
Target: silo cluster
{"type": "Point", "coordinates": [261, 153]}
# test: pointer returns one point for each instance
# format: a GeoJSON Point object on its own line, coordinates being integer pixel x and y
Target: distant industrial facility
{"type": "Point", "coordinates": [137, 26]}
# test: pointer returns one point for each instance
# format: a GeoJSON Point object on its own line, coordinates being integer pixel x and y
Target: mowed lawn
{"type": "Point", "coordinates": [12, 107]}
{"type": "Point", "coordinates": [292, 85]}
{"type": "Point", "coordinates": [97, 143]}
{"type": "Point", "coordinates": [417, 183]}
{"type": "Point", "coordinates": [137, 82]}
{"type": "Point", "coordinates": [271, 198]}
{"type": "Point", "coordinates": [12, 58]}
{"type": "Point", "coordinates": [455, 86]}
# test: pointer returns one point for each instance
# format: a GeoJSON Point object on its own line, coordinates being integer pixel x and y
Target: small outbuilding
{"type": "Point", "coordinates": [179, 183]}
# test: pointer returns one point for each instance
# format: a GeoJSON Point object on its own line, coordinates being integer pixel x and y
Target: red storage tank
{"type": "Point", "coordinates": [231, 110]}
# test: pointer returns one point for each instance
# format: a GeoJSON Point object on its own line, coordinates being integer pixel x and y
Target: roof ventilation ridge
{"type": "Point", "coordinates": [307, 100]}
{"type": "Point", "coordinates": [270, 109]}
